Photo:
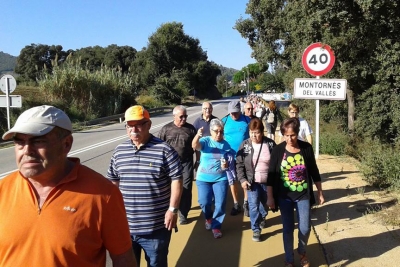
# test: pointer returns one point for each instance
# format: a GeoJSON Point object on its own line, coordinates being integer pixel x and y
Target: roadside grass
{"type": "Point", "coordinates": [333, 141]}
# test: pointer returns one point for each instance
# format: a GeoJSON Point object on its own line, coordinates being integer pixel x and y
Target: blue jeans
{"type": "Point", "coordinates": [155, 247]}
{"type": "Point", "coordinates": [257, 198]}
{"type": "Point", "coordinates": [304, 223]}
{"type": "Point", "coordinates": [206, 192]}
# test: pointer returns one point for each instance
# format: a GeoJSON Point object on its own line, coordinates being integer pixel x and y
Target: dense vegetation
{"type": "Point", "coordinates": [365, 37]}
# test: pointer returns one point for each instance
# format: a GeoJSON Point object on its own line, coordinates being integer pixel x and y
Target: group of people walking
{"type": "Point", "coordinates": [154, 175]}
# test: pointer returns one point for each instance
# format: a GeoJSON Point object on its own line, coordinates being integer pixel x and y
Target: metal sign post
{"type": "Point", "coordinates": [318, 59]}
{"type": "Point", "coordinates": [8, 104]}
{"type": "Point", "coordinates": [8, 85]}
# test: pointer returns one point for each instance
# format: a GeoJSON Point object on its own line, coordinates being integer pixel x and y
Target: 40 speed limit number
{"type": "Point", "coordinates": [318, 59]}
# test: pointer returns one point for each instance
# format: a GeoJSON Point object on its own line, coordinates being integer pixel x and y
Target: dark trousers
{"type": "Point", "coordinates": [186, 198]}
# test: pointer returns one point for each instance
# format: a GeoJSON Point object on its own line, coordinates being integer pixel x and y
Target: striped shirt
{"type": "Point", "coordinates": [145, 177]}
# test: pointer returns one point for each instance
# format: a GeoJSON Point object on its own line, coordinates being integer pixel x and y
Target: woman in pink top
{"type": "Point", "coordinates": [252, 163]}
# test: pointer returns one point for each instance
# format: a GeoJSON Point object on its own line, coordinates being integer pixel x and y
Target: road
{"type": "Point", "coordinates": [94, 146]}
{"type": "Point", "coordinates": [192, 246]}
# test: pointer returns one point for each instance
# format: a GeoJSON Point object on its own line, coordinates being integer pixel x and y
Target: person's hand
{"type": "Point", "coordinates": [200, 132]}
{"type": "Point", "coordinates": [321, 198]}
{"type": "Point", "coordinates": [170, 220]}
{"type": "Point", "coordinates": [246, 185]}
{"type": "Point", "coordinates": [271, 203]}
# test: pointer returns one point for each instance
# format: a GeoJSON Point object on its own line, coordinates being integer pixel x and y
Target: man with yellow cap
{"type": "Point", "coordinates": [148, 172]}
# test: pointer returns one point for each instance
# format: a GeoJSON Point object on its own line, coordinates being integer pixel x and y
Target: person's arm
{"type": "Point", "coordinates": [241, 167]}
{"type": "Point", "coordinates": [321, 199]}
{"type": "Point", "coordinates": [195, 143]}
{"type": "Point", "coordinates": [112, 174]}
{"type": "Point", "coordinates": [309, 139]}
{"type": "Point", "coordinates": [124, 260]}
{"type": "Point", "coordinates": [312, 169]}
{"type": "Point", "coordinates": [161, 133]}
{"type": "Point", "coordinates": [270, 197]}
{"type": "Point", "coordinates": [176, 192]}
{"type": "Point", "coordinates": [308, 132]}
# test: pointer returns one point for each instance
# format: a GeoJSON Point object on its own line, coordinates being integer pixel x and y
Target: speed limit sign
{"type": "Point", "coordinates": [318, 59]}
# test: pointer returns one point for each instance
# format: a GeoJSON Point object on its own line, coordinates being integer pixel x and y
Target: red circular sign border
{"type": "Point", "coordinates": [321, 72]}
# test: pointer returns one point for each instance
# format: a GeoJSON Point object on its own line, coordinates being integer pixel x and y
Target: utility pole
{"type": "Point", "coordinates": [226, 88]}
{"type": "Point", "coordinates": [248, 80]}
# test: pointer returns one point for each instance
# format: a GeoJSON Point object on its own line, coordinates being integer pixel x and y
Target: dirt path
{"type": "Point", "coordinates": [347, 225]}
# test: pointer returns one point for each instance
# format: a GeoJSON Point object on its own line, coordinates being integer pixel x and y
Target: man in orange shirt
{"type": "Point", "coordinates": [55, 211]}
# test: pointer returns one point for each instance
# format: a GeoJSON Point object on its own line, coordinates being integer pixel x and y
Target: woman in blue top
{"type": "Point", "coordinates": [216, 165]}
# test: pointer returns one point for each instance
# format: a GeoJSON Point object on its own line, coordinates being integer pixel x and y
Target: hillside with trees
{"type": "Point", "coordinates": [7, 63]}
{"type": "Point", "coordinates": [101, 81]}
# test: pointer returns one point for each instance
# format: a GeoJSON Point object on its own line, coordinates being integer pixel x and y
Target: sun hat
{"type": "Point", "coordinates": [39, 121]}
{"type": "Point", "coordinates": [136, 113]}
{"type": "Point", "coordinates": [234, 106]}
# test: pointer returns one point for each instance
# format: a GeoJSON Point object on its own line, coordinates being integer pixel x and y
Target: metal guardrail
{"type": "Point", "coordinates": [120, 117]}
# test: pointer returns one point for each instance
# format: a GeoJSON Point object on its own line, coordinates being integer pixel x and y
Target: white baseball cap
{"type": "Point", "coordinates": [39, 121]}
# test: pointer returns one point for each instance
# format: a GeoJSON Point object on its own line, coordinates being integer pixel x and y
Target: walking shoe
{"type": "Point", "coordinates": [182, 219]}
{"type": "Point", "coordinates": [256, 236]}
{"type": "Point", "coordinates": [236, 209]}
{"type": "Point", "coordinates": [263, 223]}
{"type": "Point", "coordinates": [208, 224]}
{"type": "Point", "coordinates": [217, 233]}
{"type": "Point", "coordinates": [304, 262]}
{"type": "Point", "coordinates": [246, 209]}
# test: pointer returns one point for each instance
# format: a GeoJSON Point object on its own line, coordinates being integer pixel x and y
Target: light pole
{"type": "Point", "coordinates": [244, 79]}
{"type": "Point", "coordinates": [226, 88]}
{"type": "Point", "coordinates": [248, 81]}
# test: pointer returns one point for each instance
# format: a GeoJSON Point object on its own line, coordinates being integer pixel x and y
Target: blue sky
{"type": "Point", "coordinates": [81, 23]}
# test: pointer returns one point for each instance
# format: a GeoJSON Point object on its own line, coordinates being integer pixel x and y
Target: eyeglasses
{"type": "Point", "coordinates": [137, 126]}
{"type": "Point", "coordinates": [183, 117]}
{"type": "Point", "coordinates": [36, 142]}
{"type": "Point", "coordinates": [218, 131]}
{"type": "Point", "coordinates": [249, 108]}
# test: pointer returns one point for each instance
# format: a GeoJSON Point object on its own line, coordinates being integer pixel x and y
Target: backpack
{"type": "Point", "coordinates": [270, 117]}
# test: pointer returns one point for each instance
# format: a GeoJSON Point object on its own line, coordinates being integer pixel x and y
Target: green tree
{"type": "Point", "coordinates": [91, 57]}
{"type": "Point", "coordinates": [35, 58]}
{"type": "Point", "coordinates": [279, 31]}
{"type": "Point", "coordinates": [119, 56]}
{"type": "Point", "coordinates": [173, 59]}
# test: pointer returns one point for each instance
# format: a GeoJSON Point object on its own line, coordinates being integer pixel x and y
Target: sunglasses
{"type": "Point", "coordinates": [218, 131]}
{"type": "Point", "coordinates": [137, 126]}
{"type": "Point", "coordinates": [183, 117]}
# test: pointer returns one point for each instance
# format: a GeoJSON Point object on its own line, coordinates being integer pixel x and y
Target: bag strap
{"type": "Point", "coordinates": [259, 152]}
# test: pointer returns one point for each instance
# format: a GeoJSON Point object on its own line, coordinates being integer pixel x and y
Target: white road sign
{"type": "Point", "coordinates": [15, 101]}
{"type": "Point", "coordinates": [8, 81]}
{"type": "Point", "coordinates": [318, 59]}
{"type": "Point", "coordinates": [327, 89]}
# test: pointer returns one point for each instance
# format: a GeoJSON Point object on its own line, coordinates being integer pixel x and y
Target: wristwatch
{"type": "Point", "coordinates": [173, 210]}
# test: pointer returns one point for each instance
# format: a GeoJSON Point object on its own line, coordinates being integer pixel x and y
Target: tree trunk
{"type": "Point", "coordinates": [351, 111]}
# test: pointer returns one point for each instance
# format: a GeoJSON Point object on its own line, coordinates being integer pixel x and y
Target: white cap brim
{"type": "Point", "coordinates": [35, 129]}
